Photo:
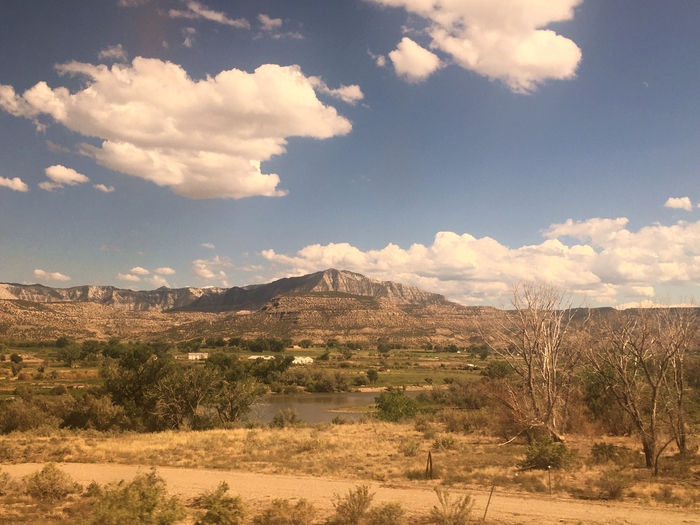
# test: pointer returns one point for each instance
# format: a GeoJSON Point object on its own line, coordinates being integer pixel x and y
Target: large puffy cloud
{"type": "Point", "coordinates": [203, 139]}
{"type": "Point", "coordinates": [501, 39]}
{"type": "Point", "coordinates": [413, 62]}
{"type": "Point", "coordinates": [14, 184]}
{"type": "Point", "coordinates": [609, 264]}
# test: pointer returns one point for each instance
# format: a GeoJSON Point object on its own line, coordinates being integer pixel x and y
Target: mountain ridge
{"type": "Point", "coordinates": [216, 300]}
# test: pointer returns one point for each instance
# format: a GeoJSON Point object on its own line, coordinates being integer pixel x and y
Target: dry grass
{"type": "Point", "coordinates": [364, 451]}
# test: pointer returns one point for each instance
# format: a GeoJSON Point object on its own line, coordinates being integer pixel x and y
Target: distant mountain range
{"type": "Point", "coordinates": [216, 300]}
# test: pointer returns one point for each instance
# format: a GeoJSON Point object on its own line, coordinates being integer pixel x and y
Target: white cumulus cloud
{"type": "Point", "coordinates": [212, 269]}
{"type": "Point", "coordinates": [413, 62]}
{"type": "Point", "coordinates": [680, 203]}
{"type": "Point", "coordinates": [203, 139]}
{"type": "Point", "coordinates": [103, 188]}
{"type": "Point", "coordinates": [157, 281]}
{"type": "Point", "coordinates": [50, 276]}
{"type": "Point", "coordinates": [137, 270]}
{"type": "Point", "coordinates": [113, 53]}
{"type": "Point", "coordinates": [198, 10]}
{"type": "Point", "coordinates": [349, 94]}
{"type": "Point", "coordinates": [505, 40]}
{"type": "Point", "coordinates": [60, 176]}
{"type": "Point", "coordinates": [164, 271]}
{"type": "Point", "coordinates": [607, 262]}
{"type": "Point", "coordinates": [269, 24]}
{"type": "Point", "coordinates": [128, 277]}
{"type": "Point", "coordinates": [14, 184]}
{"type": "Point", "coordinates": [208, 245]}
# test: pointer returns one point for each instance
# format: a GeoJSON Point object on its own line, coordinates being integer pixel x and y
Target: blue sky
{"type": "Point", "coordinates": [212, 143]}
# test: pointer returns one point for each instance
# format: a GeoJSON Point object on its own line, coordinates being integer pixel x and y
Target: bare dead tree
{"type": "Point", "coordinates": [641, 362]}
{"type": "Point", "coordinates": [541, 342]}
{"type": "Point", "coordinates": [678, 330]}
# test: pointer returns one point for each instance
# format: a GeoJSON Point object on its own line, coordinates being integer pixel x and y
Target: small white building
{"type": "Point", "coordinates": [303, 361]}
{"type": "Point", "coordinates": [264, 357]}
{"type": "Point", "coordinates": [197, 356]}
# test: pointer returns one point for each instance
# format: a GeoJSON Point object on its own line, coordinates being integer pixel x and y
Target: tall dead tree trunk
{"type": "Point", "coordinates": [540, 342]}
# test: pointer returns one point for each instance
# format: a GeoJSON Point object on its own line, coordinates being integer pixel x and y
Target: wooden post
{"type": "Point", "coordinates": [429, 467]}
{"type": "Point", "coordinates": [493, 487]}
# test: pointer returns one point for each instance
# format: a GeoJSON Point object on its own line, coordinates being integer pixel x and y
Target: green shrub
{"type": "Point", "coordinates": [21, 416]}
{"type": "Point", "coordinates": [394, 405]}
{"type": "Point", "coordinates": [545, 454]}
{"type": "Point", "coordinates": [451, 512]}
{"type": "Point", "coordinates": [50, 484]}
{"type": "Point", "coordinates": [143, 501]}
{"type": "Point", "coordinates": [221, 509]}
{"type": "Point", "coordinates": [497, 370]}
{"type": "Point", "coordinates": [386, 514]}
{"type": "Point", "coordinates": [353, 507]}
{"type": "Point", "coordinates": [282, 512]}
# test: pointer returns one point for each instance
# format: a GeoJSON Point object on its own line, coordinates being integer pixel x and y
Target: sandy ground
{"type": "Point", "coordinates": [505, 508]}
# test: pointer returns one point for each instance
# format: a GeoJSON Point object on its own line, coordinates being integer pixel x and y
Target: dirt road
{"type": "Point", "coordinates": [505, 508]}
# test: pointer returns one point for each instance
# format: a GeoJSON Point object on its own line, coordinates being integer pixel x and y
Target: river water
{"type": "Point", "coordinates": [317, 408]}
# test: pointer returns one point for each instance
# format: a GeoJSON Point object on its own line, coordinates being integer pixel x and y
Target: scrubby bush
{"type": "Point", "coordinates": [450, 512]}
{"type": "Point", "coordinates": [409, 447]}
{"type": "Point", "coordinates": [5, 482]}
{"type": "Point", "coordinates": [221, 508]}
{"type": "Point", "coordinates": [351, 509]}
{"type": "Point", "coordinates": [288, 417]}
{"type": "Point", "coordinates": [143, 501]}
{"type": "Point", "coordinates": [282, 512]}
{"type": "Point", "coordinates": [613, 481]}
{"type": "Point", "coordinates": [50, 484]}
{"type": "Point", "coordinates": [386, 514]}
{"type": "Point", "coordinates": [444, 443]}
{"type": "Point", "coordinates": [602, 453]}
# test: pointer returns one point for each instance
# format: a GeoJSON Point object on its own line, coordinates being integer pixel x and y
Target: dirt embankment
{"type": "Point", "coordinates": [505, 508]}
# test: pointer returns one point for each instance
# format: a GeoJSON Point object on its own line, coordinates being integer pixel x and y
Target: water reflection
{"type": "Point", "coordinates": [317, 408]}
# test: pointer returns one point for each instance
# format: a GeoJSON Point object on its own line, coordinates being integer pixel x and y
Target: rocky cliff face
{"type": "Point", "coordinates": [234, 299]}
{"type": "Point", "coordinates": [162, 299]}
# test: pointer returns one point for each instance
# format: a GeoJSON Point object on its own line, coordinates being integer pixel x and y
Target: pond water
{"type": "Point", "coordinates": [317, 408]}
